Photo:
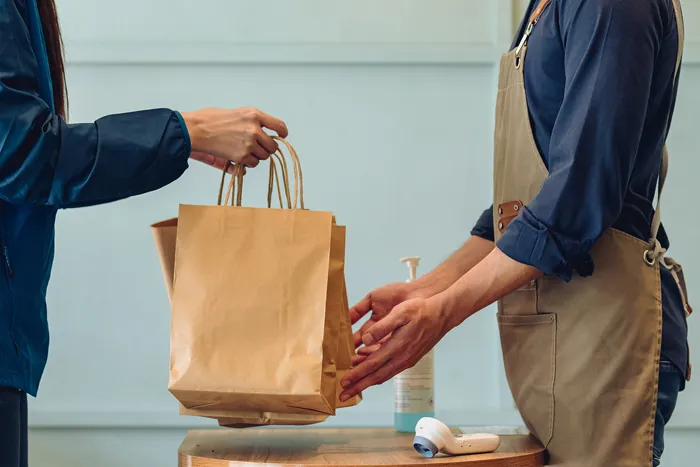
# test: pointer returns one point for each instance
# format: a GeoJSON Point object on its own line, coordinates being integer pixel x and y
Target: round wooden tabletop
{"type": "Point", "coordinates": [338, 447]}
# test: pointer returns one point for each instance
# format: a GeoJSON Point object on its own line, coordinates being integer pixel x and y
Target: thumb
{"type": "Point", "coordinates": [369, 350]}
{"type": "Point", "coordinates": [361, 309]}
{"type": "Point", "coordinates": [274, 124]}
{"type": "Point", "coordinates": [385, 327]}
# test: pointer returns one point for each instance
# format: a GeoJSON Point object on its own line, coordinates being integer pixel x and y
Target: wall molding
{"type": "Point", "coordinates": [167, 53]}
{"type": "Point", "coordinates": [362, 32]}
{"type": "Point", "coordinates": [60, 419]}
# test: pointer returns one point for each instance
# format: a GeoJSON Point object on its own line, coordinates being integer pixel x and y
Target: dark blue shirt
{"type": "Point", "coordinates": [600, 88]}
{"type": "Point", "coordinates": [47, 164]}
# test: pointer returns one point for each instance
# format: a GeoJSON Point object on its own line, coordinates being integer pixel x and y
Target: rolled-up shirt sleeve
{"type": "Point", "coordinates": [44, 160]}
{"type": "Point", "coordinates": [610, 49]}
{"type": "Point", "coordinates": [484, 225]}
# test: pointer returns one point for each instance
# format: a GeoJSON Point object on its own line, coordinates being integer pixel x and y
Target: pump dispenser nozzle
{"type": "Point", "coordinates": [412, 263]}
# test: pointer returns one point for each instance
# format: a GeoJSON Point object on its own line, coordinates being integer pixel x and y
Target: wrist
{"type": "Point", "coordinates": [418, 289]}
{"type": "Point", "coordinates": [452, 308]}
{"type": "Point", "coordinates": [431, 284]}
{"type": "Point", "coordinates": [194, 127]}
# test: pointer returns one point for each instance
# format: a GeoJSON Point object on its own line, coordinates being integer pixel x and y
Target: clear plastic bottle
{"type": "Point", "coordinates": [414, 388]}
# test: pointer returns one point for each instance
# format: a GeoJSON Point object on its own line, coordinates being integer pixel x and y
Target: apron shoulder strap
{"type": "Point", "coordinates": [656, 220]}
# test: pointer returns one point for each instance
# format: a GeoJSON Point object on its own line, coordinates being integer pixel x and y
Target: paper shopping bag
{"type": "Point", "coordinates": [250, 331]}
{"type": "Point", "coordinates": [231, 419]}
{"type": "Point", "coordinates": [165, 233]}
{"type": "Point", "coordinates": [346, 350]}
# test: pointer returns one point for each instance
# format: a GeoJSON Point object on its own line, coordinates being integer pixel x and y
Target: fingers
{"type": "Point", "coordinates": [371, 364]}
{"type": "Point", "coordinates": [266, 141]}
{"type": "Point", "coordinates": [370, 349]}
{"type": "Point", "coordinates": [259, 152]}
{"type": "Point", "coordinates": [386, 326]}
{"type": "Point", "coordinates": [379, 367]}
{"type": "Point", "coordinates": [361, 309]}
{"type": "Point", "coordinates": [250, 161]}
{"type": "Point", "coordinates": [274, 124]}
{"type": "Point", "coordinates": [357, 359]}
{"type": "Point", "coordinates": [382, 375]}
{"type": "Point", "coordinates": [357, 336]}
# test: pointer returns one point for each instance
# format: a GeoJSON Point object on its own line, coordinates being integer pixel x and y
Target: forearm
{"type": "Point", "coordinates": [494, 277]}
{"type": "Point", "coordinates": [457, 265]}
{"type": "Point", "coordinates": [86, 164]}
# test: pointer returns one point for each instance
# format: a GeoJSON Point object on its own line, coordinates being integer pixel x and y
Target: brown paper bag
{"type": "Point", "coordinates": [164, 235]}
{"type": "Point", "coordinates": [343, 363]}
{"type": "Point", "coordinates": [346, 351]}
{"type": "Point", "coordinates": [287, 281]}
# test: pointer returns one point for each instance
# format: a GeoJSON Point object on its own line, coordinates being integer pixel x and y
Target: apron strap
{"type": "Point", "coordinates": [657, 251]}
{"type": "Point", "coordinates": [679, 277]}
{"type": "Point", "coordinates": [656, 220]}
{"type": "Point", "coordinates": [534, 18]}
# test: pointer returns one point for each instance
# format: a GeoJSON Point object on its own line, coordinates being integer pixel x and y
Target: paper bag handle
{"type": "Point", "coordinates": [235, 187]}
{"type": "Point", "coordinates": [236, 184]}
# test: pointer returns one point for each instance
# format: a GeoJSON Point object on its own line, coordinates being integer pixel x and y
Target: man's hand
{"type": "Point", "coordinates": [380, 302]}
{"type": "Point", "coordinates": [400, 338]}
{"type": "Point", "coordinates": [397, 342]}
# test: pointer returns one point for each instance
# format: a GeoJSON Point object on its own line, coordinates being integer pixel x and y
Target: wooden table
{"type": "Point", "coordinates": [338, 447]}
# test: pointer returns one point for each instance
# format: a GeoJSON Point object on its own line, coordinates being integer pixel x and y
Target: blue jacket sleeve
{"type": "Point", "coordinates": [610, 48]}
{"type": "Point", "coordinates": [44, 160]}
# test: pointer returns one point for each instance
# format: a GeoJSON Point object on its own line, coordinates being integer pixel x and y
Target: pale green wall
{"type": "Point", "coordinates": [398, 146]}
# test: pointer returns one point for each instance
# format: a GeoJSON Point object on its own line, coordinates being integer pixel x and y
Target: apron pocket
{"type": "Point", "coordinates": [522, 301]}
{"type": "Point", "coordinates": [529, 343]}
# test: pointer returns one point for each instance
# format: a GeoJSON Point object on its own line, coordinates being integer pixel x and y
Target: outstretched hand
{"type": "Point", "coordinates": [380, 302]}
{"type": "Point", "coordinates": [395, 343]}
{"type": "Point", "coordinates": [236, 135]}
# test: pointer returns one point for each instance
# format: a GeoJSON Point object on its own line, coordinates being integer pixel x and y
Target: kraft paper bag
{"type": "Point", "coordinates": [268, 419]}
{"type": "Point", "coordinates": [344, 364]}
{"type": "Point", "coordinates": [251, 287]}
{"type": "Point", "coordinates": [165, 233]}
{"type": "Point", "coordinates": [346, 351]}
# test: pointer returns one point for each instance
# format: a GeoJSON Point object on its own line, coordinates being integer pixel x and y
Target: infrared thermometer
{"type": "Point", "coordinates": [433, 436]}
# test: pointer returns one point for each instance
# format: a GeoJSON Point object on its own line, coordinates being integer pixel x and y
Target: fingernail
{"type": "Point", "coordinates": [344, 397]}
{"type": "Point", "coordinates": [345, 384]}
{"type": "Point", "coordinates": [368, 339]}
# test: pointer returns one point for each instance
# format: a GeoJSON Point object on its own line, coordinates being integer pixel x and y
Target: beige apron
{"type": "Point", "coordinates": [582, 358]}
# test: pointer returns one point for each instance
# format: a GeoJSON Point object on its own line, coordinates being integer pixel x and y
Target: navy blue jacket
{"type": "Point", "coordinates": [600, 88]}
{"type": "Point", "coordinates": [47, 164]}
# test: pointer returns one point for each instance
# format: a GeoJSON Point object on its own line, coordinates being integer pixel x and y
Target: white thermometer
{"type": "Point", "coordinates": [433, 436]}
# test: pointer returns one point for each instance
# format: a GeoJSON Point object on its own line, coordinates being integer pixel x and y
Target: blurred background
{"type": "Point", "coordinates": [390, 106]}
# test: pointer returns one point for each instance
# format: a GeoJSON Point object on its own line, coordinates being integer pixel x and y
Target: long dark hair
{"type": "Point", "coordinates": [54, 49]}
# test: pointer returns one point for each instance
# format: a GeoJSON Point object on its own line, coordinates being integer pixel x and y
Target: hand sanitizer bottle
{"type": "Point", "coordinates": [413, 389]}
